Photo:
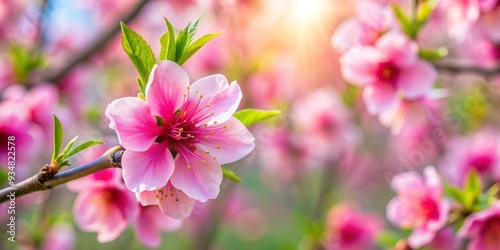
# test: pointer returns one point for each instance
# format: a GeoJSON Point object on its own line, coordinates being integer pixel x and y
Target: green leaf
{"type": "Point", "coordinates": [171, 43]}
{"type": "Point", "coordinates": [473, 189]}
{"type": "Point", "coordinates": [406, 24]}
{"type": "Point", "coordinates": [164, 42]}
{"type": "Point", "coordinates": [388, 239]}
{"type": "Point", "coordinates": [230, 174]}
{"type": "Point", "coordinates": [58, 137]}
{"type": "Point", "coordinates": [84, 146]}
{"type": "Point", "coordinates": [432, 55]}
{"type": "Point", "coordinates": [139, 52]}
{"type": "Point", "coordinates": [425, 9]}
{"type": "Point", "coordinates": [4, 177]}
{"type": "Point", "coordinates": [454, 193]}
{"type": "Point", "coordinates": [252, 116]}
{"type": "Point", "coordinates": [193, 48]}
{"type": "Point", "coordinates": [68, 147]}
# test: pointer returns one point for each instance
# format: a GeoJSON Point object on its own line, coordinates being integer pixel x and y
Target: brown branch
{"type": "Point", "coordinates": [460, 67]}
{"type": "Point", "coordinates": [95, 47]}
{"type": "Point", "coordinates": [44, 180]}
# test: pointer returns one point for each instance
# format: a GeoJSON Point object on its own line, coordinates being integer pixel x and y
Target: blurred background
{"type": "Point", "coordinates": [324, 160]}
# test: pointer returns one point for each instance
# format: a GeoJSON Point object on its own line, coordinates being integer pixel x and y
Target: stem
{"type": "Point", "coordinates": [459, 67]}
{"type": "Point", "coordinates": [43, 180]}
{"type": "Point", "coordinates": [95, 47]}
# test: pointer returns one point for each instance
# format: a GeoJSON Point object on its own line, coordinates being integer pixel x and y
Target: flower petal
{"type": "Point", "coordinates": [132, 120]}
{"type": "Point", "coordinates": [223, 98]}
{"type": "Point", "coordinates": [420, 237]}
{"type": "Point", "coordinates": [197, 174]}
{"type": "Point", "coordinates": [359, 65]}
{"type": "Point", "coordinates": [398, 48]}
{"type": "Point", "coordinates": [148, 170]}
{"type": "Point", "coordinates": [147, 198]}
{"type": "Point", "coordinates": [380, 98]}
{"type": "Point", "coordinates": [146, 226]}
{"type": "Point", "coordinates": [166, 87]}
{"type": "Point", "coordinates": [175, 203]}
{"type": "Point", "coordinates": [408, 183]}
{"type": "Point", "coordinates": [229, 142]}
{"type": "Point", "coordinates": [417, 80]}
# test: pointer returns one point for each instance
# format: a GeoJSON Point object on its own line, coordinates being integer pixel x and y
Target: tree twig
{"type": "Point", "coordinates": [43, 180]}
{"type": "Point", "coordinates": [95, 47]}
{"type": "Point", "coordinates": [460, 67]}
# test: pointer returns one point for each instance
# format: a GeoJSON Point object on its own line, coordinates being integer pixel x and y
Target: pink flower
{"type": "Point", "coordinates": [60, 236]}
{"type": "Point", "coordinates": [483, 228]}
{"type": "Point", "coordinates": [371, 21]}
{"type": "Point", "coordinates": [103, 205]}
{"type": "Point", "coordinates": [150, 222]}
{"type": "Point", "coordinates": [388, 70]}
{"type": "Point", "coordinates": [349, 229]}
{"type": "Point", "coordinates": [476, 151]}
{"type": "Point", "coordinates": [172, 202]}
{"type": "Point", "coordinates": [192, 121]}
{"type": "Point", "coordinates": [419, 205]}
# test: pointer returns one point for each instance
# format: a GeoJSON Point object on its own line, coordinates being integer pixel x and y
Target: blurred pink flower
{"type": "Point", "coordinates": [478, 150]}
{"type": "Point", "coordinates": [195, 121]}
{"type": "Point", "coordinates": [389, 71]}
{"type": "Point", "coordinates": [419, 205]}
{"type": "Point", "coordinates": [483, 229]}
{"type": "Point", "coordinates": [171, 201]}
{"type": "Point", "coordinates": [444, 240]}
{"type": "Point", "coordinates": [150, 222]}
{"type": "Point", "coordinates": [103, 205]}
{"type": "Point", "coordinates": [59, 237]}
{"type": "Point", "coordinates": [350, 229]}
{"type": "Point", "coordinates": [319, 126]}
{"type": "Point", "coordinates": [371, 21]}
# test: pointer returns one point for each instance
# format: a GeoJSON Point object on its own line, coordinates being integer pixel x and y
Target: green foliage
{"type": "Point", "coordinates": [139, 52]}
{"type": "Point", "coordinates": [412, 25]}
{"type": "Point", "coordinates": [58, 137]}
{"type": "Point", "coordinates": [24, 60]}
{"type": "Point", "coordinates": [230, 174]}
{"type": "Point", "coordinates": [388, 239]}
{"type": "Point", "coordinates": [59, 159]}
{"type": "Point", "coordinates": [252, 116]}
{"type": "Point", "coordinates": [181, 47]}
{"type": "Point", "coordinates": [4, 177]}
{"type": "Point", "coordinates": [432, 55]}
{"type": "Point", "coordinates": [471, 196]}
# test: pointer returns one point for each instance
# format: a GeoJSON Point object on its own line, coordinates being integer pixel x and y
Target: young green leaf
{"type": "Point", "coordinates": [58, 137]}
{"type": "Point", "coordinates": [251, 116]}
{"type": "Point", "coordinates": [230, 174]}
{"type": "Point", "coordinates": [432, 55]}
{"type": "Point", "coordinates": [473, 188]}
{"type": "Point", "coordinates": [138, 51]}
{"type": "Point", "coordinates": [84, 146]}
{"type": "Point", "coordinates": [164, 42]}
{"type": "Point", "coordinates": [171, 44]}
{"type": "Point", "coordinates": [4, 176]}
{"type": "Point", "coordinates": [406, 24]}
{"type": "Point", "coordinates": [193, 48]}
{"type": "Point", "coordinates": [455, 193]}
{"type": "Point", "coordinates": [68, 147]}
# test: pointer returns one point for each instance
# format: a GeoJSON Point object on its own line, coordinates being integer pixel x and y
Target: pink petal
{"type": "Point", "coordinates": [359, 65]}
{"type": "Point", "coordinates": [112, 226]}
{"type": "Point", "coordinates": [147, 198]}
{"type": "Point", "coordinates": [167, 85]}
{"type": "Point", "coordinates": [444, 210]}
{"type": "Point", "coordinates": [175, 203]}
{"type": "Point", "coordinates": [417, 80]}
{"type": "Point", "coordinates": [347, 35]}
{"type": "Point", "coordinates": [380, 98]}
{"type": "Point", "coordinates": [398, 48]}
{"type": "Point", "coordinates": [133, 122]}
{"type": "Point", "coordinates": [223, 98]}
{"type": "Point", "coordinates": [230, 143]}
{"type": "Point", "coordinates": [395, 213]}
{"type": "Point", "coordinates": [146, 227]}
{"type": "Point", "coordinates": [148, 170]}
{"type": "Point", "coordinates": [408, 183]}
{"type": "Point", "coordinates": [420, 237]}
{"type": "Point", "coordinates": [197, 174]}
{"type": "Point", "coordinates": [433, 183]}
{"type": "Point", "coordinates": [87, 212]}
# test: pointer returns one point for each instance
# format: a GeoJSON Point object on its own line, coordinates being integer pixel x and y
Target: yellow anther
{"type": "Point", "coordinates": [212, 132]}
{"type": "Point", "coordinates": [206, 137]}
{"type": "Point", "coordinates": [205, 125]}
{"type": "Point", "coordinates": [201, 96]}
{"type": "Point", "coordinates": [218, 146]}
{"type": "Point", "coordinates": [225, 127]}
{"type": "Point", "coordinates": [207, 152]}
{"type": "Point", "coordinates": [203, 161]}
{"type": "Point", "coordinates": [208, 105]}
{"type": "Point", "coordinates": [189, 166]}
{"type": "Point", "coordinates": [215, 122]}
